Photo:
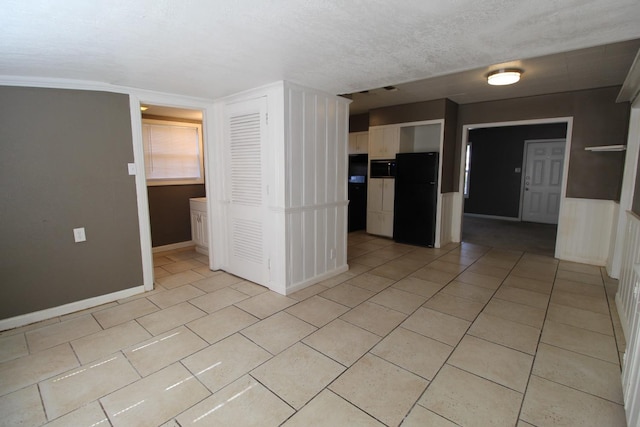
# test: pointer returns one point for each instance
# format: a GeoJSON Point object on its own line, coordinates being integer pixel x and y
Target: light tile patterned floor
{"type": "Point", "coordinates": [463, 335]}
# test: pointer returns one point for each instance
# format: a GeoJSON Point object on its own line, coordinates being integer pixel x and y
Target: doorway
{"type": "Point", "coordinates": [174, 171]}
{"type": "Point", "coordinates": [497, 191]}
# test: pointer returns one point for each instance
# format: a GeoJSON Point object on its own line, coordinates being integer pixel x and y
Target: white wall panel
{"type": "Point", "coordinates": [316, 142]}
{"type": "Point", "coordinates": [294, 148]}
{"type": "Point", "coordinates": [447, 218]}
{"type": "Point", "coordinates": [584, 230]}
{"type": "Point", "coordinates": [628, 305]}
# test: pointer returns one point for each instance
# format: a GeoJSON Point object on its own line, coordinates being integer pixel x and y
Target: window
{"type": "Point", "coordinates": [467, 170]}
{"type": "Point", "coordinates": [172, 152]}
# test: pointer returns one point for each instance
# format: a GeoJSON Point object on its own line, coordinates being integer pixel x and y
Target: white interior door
{"type": "Point", "coordinates": [542, 181]}
{"type": "Point", "coordinates": [245, 137]}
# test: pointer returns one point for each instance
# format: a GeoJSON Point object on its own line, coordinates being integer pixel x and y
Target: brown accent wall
{"type": "Point", "coordinates": [422, 111]}
{"type": "Point", "coordinates": [359, 122]}
{"type": "Point", "coordinates": [63, 165]}
{"type": "Point", "coordinates": [169, 212]}
{"type": "Point", "coordinates": [414, 112]}
{"type": "Point", "coordinates": [597, 120]}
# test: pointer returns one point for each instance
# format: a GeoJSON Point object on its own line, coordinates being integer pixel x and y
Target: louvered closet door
{"type": "Point", "coordinates": [245, 124]}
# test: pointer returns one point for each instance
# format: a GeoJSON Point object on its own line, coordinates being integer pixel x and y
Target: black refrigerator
{"type": "Point", "coordinates": [416, 195]}
{"type": "Point", "coordinates": [357, 217]}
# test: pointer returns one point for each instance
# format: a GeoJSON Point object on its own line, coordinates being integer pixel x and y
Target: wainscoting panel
{"type": "Point", "coordinates": [628, 305]}
{"type": "Point", "coordinates": [584, 230]}
{"type": "Point", "coordinates": [447, 218]}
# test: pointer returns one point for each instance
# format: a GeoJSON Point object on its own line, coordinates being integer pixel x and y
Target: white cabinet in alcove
{"type": "Point", "coordinates": [380, 198]}
{"type": "Point", "coordinates": [199, 225]}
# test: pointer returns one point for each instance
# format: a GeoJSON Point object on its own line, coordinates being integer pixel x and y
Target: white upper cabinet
{"type": "Point", "coordinates": [384, 141]}
{"type": "Point", "coordinates": [358, 142]}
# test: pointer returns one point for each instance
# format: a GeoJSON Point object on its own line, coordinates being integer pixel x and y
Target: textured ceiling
{"type": "Point", "coordinates": [211, 49]}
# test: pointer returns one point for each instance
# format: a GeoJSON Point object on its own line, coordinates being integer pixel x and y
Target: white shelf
{"type": "Point", "coordinates": [606, 148]}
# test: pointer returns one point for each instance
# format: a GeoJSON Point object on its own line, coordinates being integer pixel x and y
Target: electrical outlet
{"type": "Point", "coordinates": [79, 235]}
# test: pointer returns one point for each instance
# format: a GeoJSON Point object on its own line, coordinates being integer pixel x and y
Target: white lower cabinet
{"type": "Point", "coordinates": [380, 198]}
{"type": "Point", "coordinates": [199, 224]}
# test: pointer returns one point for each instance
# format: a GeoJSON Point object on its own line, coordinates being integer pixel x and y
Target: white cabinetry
{"type": "Point", "coordinates": [358, 143]}
{"type": "Point", "coordinates": [380, 199]}
{"type": "Point", "coordinates": [384, 141]}
{"type": "Point", "coordinates": [199, 225]}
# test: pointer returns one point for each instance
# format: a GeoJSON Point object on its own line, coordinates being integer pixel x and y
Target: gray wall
{"type": "Point", "coordinates": [597, 120]}
{"type": "Point", "coordinates": [63, 164]}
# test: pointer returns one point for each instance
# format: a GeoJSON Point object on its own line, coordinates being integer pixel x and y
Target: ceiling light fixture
{"type": "Point", "coordinates": [504, 76]}
{"type": "Point", "coordinates": [143, 108]}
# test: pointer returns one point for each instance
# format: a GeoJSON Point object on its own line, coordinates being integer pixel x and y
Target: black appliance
{"type": "Point", "coordinates": [416, 195]}
{"type": "Point", "coordinates": [357, 216]}
{"type": "Point", "coordinates": [383, 168]}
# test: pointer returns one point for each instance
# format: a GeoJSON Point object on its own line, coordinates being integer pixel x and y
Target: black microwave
{"type": "Point", "coordinates": [383, 168]}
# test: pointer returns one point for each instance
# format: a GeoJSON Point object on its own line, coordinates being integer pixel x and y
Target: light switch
{"type": "Point", "coordinates": [132, 168]}
{"type": "Point", "coordinates": [79, 235]}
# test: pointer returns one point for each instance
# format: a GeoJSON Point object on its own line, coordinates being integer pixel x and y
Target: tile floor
{"type": "Point", "coordinates": [464, 335]}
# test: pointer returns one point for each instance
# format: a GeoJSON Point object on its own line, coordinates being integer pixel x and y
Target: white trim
{"type": "Point", "coordinates": [61, 310]}
{"type": "Point", "coordinates": [173, 246]}
{"type": "Point", "coordinates": [502, 218]}
{"type": "Point", "coordinates": [144, 221]}
{"type": "Point", "coordinates": [465, 135]}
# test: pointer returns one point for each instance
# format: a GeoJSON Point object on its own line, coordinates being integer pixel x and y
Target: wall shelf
{"type": "Point", "coordinates": [606, 148]}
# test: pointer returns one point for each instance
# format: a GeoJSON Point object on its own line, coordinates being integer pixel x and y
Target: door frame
{"type": "Point", "coordinates": [135, 101]}
{"type": "Point", "coordinates": [458, 212]}
{"type": "Point", "coordinates": [524, 166]}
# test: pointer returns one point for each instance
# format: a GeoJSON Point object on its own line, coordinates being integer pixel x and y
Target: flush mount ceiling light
{"type": "Point", "coordinates": [143, 108]}
{"type": "Point", "coordinates": [504, 76]}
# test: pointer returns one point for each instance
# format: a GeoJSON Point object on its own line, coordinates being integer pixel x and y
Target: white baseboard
{"type": "Point", "coordinates": [173, 246]}
{"type": "Point", "coordinates": [38, 316]}
{"type": "Point", "coordinates": [299, 286]}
